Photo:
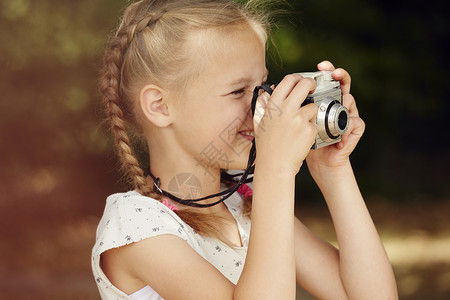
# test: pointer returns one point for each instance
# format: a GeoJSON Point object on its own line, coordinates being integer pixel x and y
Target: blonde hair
{"type": "Point", "coordinates": [148, 47]}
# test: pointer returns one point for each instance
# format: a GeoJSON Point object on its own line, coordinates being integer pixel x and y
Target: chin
{"type": "Point", "coordinates": [242, 166]}
{"type": "Point", "coordinates": [240, 161]}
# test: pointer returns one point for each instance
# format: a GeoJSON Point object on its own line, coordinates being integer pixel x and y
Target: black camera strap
{"type": "Point", "coordinates": [225, 194]}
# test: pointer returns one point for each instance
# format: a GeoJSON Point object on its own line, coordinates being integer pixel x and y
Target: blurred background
{"type": "Point", "coordinates": [57, 162]}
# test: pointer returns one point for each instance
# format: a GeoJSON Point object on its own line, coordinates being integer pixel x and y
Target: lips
{"type": "Point", "coordinates": [247, 134]}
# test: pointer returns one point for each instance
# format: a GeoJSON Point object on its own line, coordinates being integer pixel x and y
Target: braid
{"type": "Point", "coordinates": [110, 88]}
{"type": "Point", "coordinates": [144, 23]}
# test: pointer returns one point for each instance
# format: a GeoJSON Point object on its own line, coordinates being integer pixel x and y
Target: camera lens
{"type": "Point", "coordinates": [332, 120]}
{"type": "Point", "coordinates": [336, 120]}
{"type": "Point", "coordinates": [342, 120]}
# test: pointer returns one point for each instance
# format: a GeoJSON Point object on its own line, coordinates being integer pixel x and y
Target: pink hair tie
{"type": "Point", "coordinates": [172, 207]}
{"type": "Point", "coordinates": [245, 190]}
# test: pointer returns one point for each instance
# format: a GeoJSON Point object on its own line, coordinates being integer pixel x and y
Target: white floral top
{"type": "Point", "coordinates": [130, 217]}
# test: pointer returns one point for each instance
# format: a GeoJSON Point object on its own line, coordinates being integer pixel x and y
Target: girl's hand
{"type": "Point", "coordinates": [285, 132]}
{"type": "Point", "coordinates": [337, 155]}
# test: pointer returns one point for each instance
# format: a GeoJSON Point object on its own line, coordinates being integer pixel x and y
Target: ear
{"type": "Point", "coordinates": [154, 106]}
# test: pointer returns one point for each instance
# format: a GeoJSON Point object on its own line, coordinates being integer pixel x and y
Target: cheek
{"type": "Point", "coordinates": [224, 147]}
{"type": "Point", "coordinates": [199, 124]}
{"type": "Point", "coordinates": [227, 138]}
{"type": "Point", "coordinates": [213, 123]}
{"type": "Point", "coordinates": [231, 118]}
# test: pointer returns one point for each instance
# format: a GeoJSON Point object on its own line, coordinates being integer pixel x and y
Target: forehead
{"type": "Point", "coordinates": [228, 51]}
{"type": "Point", "coordinates": [228, 41]}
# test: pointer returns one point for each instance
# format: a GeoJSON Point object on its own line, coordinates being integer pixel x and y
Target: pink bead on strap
{"type": "Point", "coordinates": [245, 190]}
{"type": "Point", "coordinates": [172, 207]}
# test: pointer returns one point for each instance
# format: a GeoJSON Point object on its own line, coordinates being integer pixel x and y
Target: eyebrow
{"type": "Point", "coordinates": [247, 80]}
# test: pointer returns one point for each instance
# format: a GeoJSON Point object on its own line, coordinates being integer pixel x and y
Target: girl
{"type": "Point", "coordinates": [182, 72]}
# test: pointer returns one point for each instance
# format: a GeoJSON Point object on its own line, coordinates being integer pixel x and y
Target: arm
{"type": "Point", "coordinates": [361, 266]}
{"type": "Point", "coordinates": [269, 271]}
{"type": "Point", "coordinates": [364, 267]}
{"type": "Point", "coordinates": [317, 265]}
{"type": "Point", "coordinates": [360, 269]}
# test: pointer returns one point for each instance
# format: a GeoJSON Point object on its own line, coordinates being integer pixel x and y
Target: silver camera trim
{"type": "Point", "coordinates": [328, 97]}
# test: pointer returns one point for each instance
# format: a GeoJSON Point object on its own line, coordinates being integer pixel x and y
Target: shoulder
{"type": "Point", "coordinates": [134, 207]}
{"type": "Point", "coordinates": [131, 219]}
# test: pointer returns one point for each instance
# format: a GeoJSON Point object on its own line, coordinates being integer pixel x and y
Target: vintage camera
{"type": "Point", "coordinates": [332, 118]}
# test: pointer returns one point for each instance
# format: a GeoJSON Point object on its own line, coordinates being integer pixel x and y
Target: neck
{"type": "Point", "coordinates": [185, 177]}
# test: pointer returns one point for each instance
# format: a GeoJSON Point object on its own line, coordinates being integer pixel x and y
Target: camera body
{"type": "Point", "coordinates": [332, 118]}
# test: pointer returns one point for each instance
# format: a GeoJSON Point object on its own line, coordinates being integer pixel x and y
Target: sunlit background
{"type": "Point", "coordinates": [57, 163]}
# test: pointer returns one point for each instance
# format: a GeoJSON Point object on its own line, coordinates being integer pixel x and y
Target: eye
{"type": "Point", "coordinates": [238, 92]}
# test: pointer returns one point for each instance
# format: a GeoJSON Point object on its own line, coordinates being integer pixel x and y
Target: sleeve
{"type": "Point", "coordinates": [130, 218]}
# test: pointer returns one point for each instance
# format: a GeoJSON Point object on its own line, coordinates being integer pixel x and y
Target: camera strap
{"type": "Point", "coordinates": [225, 194]}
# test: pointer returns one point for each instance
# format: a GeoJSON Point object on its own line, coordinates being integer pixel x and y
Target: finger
{"type": "Point", "coordinates": [344, 138]}
{"type": "Point", "coordinates": [345, 79]}
{"type": "Point", "coordinates": [340, 145]}
{"type": "Point", "coordinates": [325, 66]}
{"type": "Point", "coordinates": [349, 102]}
{"type": "Point", "coordinates": [300, 92]}
{"type": "Point", "coordinates": [259, 113]}
{"type": "Point", "coordinates": [356, 129]}
{"type": "Point", "coordinates": [359, 126]}
{"type": "Point", "coordinates": [284, 88]}
{"type": "Point", "coordinates": [309, 111]}
{"type": "Point", "coordinates": [263, 99]}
